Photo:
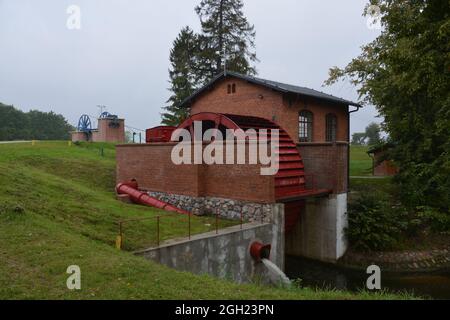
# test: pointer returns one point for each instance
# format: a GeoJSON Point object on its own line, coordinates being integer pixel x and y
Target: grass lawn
{"type": "Point", "coordinates": [360, 162]}
{"type": "Point", "coordinates": [58, 208]}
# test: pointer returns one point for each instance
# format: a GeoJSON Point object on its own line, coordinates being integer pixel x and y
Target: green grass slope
{"type": "Point", "coordinates": [360, 162]}
{"type": "Point", "coordinates": [57, 208]}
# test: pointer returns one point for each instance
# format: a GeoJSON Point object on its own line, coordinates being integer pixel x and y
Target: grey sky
{"type": "Point", "coordinates": [119, 58]}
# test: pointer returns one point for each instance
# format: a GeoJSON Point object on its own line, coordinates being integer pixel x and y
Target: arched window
{"type": "Point", "coordinates": [305, 121]}
{"type": "Point", "coordinates": [331, 127]}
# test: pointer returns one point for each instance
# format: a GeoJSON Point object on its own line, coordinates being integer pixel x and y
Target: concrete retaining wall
{"type": "Point", "coordinates": [320, 232]}
{"type": "Point", "coordinates": [225, 255]}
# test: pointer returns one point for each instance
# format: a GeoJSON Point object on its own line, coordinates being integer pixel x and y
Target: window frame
{"type": "Point", "coordinates": [305, 126]}
{"type": "Point", "coordinates": [331, 127]}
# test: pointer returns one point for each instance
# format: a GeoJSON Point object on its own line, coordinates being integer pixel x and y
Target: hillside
{"type": "Point", "coordinates": [58, 208]}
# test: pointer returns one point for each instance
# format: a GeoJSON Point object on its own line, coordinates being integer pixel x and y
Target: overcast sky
{"type": "Point", "coordinates": [119, 57]}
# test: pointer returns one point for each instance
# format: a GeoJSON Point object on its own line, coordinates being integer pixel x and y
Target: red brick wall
{"type": "Point", "coordinates": [109, 134]}
{"type": "Point", "coordinates": [152, 166]}
{"type": "Point", "coordinates": [79, 136]}
{"type": "Point", "coordinates": [327, 163]}
{"type": "Point", "coordinates": [319, 110]}
{"type": "Point", "coordinates": [385, 168]}
{"type": "Point", "coordinates": [259, 101]}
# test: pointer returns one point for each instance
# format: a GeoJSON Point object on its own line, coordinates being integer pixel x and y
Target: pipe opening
{"type": "Point", "coordinates": [259, 251]}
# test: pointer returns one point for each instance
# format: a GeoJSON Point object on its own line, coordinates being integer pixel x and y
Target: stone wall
{"type": "Point", "coordinates": [226, 208]}
{"type": "Point", "coordinates": [227, 254]}
{"type": "Point", "coordinates": [400, 261]}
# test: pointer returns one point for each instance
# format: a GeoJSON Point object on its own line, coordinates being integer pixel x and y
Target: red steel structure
{"type": "Point", "coordinates": [159, 134]}
{"type": "Point", "coordinates": [132, 190]}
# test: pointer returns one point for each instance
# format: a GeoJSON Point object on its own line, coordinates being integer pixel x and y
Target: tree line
{"type": "Point", "coordinates": [405, 73]}
{"type": "Point", "coordinates": [370, 137]}
{"type": "Point", "coordinates": [33, 125]}
{"type": "Point", "coordinates": [197, 58]}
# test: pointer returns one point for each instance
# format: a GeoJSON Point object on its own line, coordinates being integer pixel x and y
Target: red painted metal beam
{"type": "Point", "coordinates": [131, 189]}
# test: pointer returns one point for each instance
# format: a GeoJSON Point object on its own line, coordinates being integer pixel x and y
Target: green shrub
{"type": "Point", "coordinates": [375, 224]}
{"type": "Point", "coordinates": [436, 220]}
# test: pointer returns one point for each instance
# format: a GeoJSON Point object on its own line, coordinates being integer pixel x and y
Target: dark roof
{"type": "Point", "coordinates": [277, 86]}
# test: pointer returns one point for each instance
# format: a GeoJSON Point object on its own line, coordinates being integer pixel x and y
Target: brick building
{"type": "Point", "coordinates": [318, 128]}
{"type": "Point", "coordinates": [109, 129]}
{"type": "Point", "coordinates": [381, 165]}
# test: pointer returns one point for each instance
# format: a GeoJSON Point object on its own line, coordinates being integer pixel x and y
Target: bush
{"type": "Point", "coordinates": [374, 224]}
{"type": "Point", "coordinates": [436, 220]}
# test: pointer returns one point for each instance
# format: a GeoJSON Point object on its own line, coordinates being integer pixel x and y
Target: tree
{"type": "Point", "coordinates": [359, 138]}
{"type": "Point", "coordinates": [372, 134]}
{"type": "Point", "coordinates": [183, 57]}
{"type": "Point", "coordinates": [36, 125]}
{"type": "Point", "coordinates": [225, 30]}
{"type": "Point", "coordinates": [196, 58]}
{"type": "Point", "coordinates": [405, 73]}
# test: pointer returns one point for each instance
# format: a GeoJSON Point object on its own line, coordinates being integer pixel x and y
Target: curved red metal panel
{"type": "Point", "coordinates": [290, 180]}
{"type": "Point", "coordinates": [217, 118]}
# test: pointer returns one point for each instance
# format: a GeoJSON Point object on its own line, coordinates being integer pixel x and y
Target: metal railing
{"type": "Point", "coordinates": [187, 219]}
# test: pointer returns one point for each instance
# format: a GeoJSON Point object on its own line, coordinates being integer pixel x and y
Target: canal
{"type": "Point", "coordinates": [321, 275]}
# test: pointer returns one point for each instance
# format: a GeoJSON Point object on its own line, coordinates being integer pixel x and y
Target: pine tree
{"type": "Point", "coordinates": [224, 28]}
{"type": "Point", "coordinates": [182, 76]}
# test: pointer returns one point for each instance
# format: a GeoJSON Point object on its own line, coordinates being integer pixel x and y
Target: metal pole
{"type": "Point", "coordinates": [189, 226]}
{"type": "Point", "coordinates": [157, 230]}
{"type": "Point", "coordinates": [242, 217]}
{"type": "Point", "coordinates": [217, 221]}
{"type": "Point", "coordinates": [119, 242]}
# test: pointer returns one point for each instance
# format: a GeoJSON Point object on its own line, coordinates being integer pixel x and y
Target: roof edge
{"type": "Point", "coordinates": [225, 74]}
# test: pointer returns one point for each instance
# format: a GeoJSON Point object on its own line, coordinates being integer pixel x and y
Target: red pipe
{"type": "Point", "coordinates": [258, 251]}
{"type": "Point", "coordinates": [131, 189]}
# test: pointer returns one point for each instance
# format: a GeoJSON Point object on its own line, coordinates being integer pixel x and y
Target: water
{"type": "Point", "coordinates": [322, 275]}
{"type": "Point", "coordinates": [277, 276]}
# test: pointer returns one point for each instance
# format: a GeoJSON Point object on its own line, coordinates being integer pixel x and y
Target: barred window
{"type": "Point", "coordinates": [305, 126]}
{"type": "Point", "coordinates": [331, 127]}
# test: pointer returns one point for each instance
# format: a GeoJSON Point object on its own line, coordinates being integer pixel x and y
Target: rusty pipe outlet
{"type": "Point", "coordinates": [259, 251]}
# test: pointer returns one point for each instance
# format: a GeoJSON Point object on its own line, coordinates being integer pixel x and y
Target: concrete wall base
{"type": "Point", "coordinates": [320, 233]}
{"type": "Point", "coordinates": [227, 254]}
